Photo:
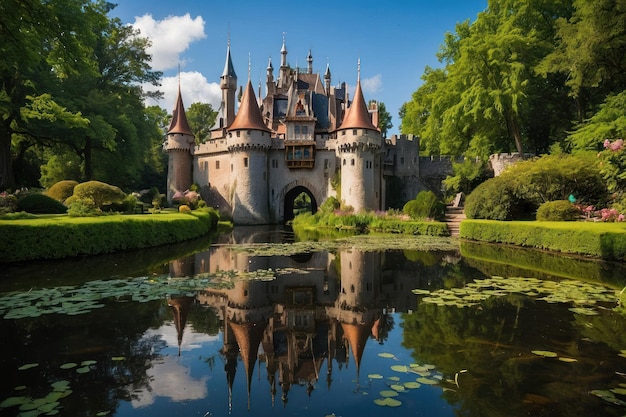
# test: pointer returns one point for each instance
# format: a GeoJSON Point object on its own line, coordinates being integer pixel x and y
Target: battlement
{"type": "Point", "coordinates": [500, 161]}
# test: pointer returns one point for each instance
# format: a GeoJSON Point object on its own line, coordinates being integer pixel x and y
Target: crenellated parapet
{"type": "Point", "coordinates": [178, 142]}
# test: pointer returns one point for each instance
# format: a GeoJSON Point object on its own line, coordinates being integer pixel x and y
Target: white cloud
{"type": "Point", "coordinates": [194, 88]}
{"type": "Point", "coordinates": [170, 37]}
{"type": "Point", "coordinates": [373, 84]}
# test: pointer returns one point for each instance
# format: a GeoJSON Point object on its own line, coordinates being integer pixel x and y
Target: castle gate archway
{"type": "Point", "coordinates": [291, 192]}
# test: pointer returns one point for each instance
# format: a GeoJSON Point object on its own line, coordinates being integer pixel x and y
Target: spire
{"type": "Point", "coordinates": [283, 53]}
{"type": "Point", "coordinates": [309, 61]}
{"type": "Point", "coordinates": [249, 115]}
{"type": "Point", "coordinates": [357, 116]}
{"type": "Point", "coordinates": [179, 122]}
{"type": "Point", "coordinates": [327, 72]}
{"type": "Point", "coordinates": [229, 69]}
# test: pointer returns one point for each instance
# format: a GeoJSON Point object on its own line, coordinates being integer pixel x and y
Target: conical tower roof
{"type": "Point", "coordinates": [229, 69]}
{"type": "Point", "coordinates": [249, 115]}
{"type": "Point", "coordinates": [249, 337]}
{"type": "Point", "coordinates": [358, 117]}
{"type": "Point", "coordinates": [179, 122]}
{"type": "Point", "coordinates": [357, 336]}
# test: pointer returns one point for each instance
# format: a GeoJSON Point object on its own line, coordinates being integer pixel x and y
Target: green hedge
{"type": "Point", "coordinates": [427, 228]}
{"type": "Point", "coordinates": [63, 236]}
{"type": "Point", "coordinates": [603, 240]}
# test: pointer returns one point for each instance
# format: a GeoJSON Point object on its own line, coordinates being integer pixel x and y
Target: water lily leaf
{"type": "Point", "coordinates": [400, 368]}
{"type": "Point", "coordinates": [386, 355]}
{"type": "Point", "coordinates": [105, 413]}
{"type": "Point", "coordinates": [412, 385]}
{"type": "Point", "coordinates": [87, 363]}
{"type": "Point", "coordinates": [419, 291]}
{"type": "Point", "coordinates": [568, 360]}
{"type": "Point", "coordinates": [46, 408]}
{"type": "Point", "coordinates": [27, 366]}
{"type": "Point", "coordinates": [11, 401]}
{"type": "Point", "coordinates": [397, 387]}
{"type": "Point", "coordinates": [427, 381]}
{"type": "Point", "coordinates": [388, 402]}
{"type": "Point", "coordinates": [388, 393]}
{"type": "Point", "coordinates": [620, 391]}
{"type": "Point", "coordinates": [69, 365]}
{"type": "Point", "coordinates": [394, 378]}
{"type": "Point", "coordinates": [60, 385]}
{"type": "Point", "coordinates": [375, 376]}
{"type": "Point", "coordinates": [20, 388]}
{"type": "Point", "coordinates": [118, 358]}
{"type": "Point", "coordinates": [83, 370]}
{"type": "Point", "coordinates": [545, 353]}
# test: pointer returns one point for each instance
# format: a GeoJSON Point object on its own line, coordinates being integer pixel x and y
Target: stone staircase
{"type": "Point", "coordinates": [453, 217]}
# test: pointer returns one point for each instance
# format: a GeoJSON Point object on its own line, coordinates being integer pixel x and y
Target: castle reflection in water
{"type": "Point", "coordinates": [302, 323]}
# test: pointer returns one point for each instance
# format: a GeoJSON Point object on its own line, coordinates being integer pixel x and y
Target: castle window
{"type": "Point", "coordinates": [344, 161]}
{"type": "Point", "coordinates": [354, 132]}
{"type": "Point", "coordinates": [231, 167]}
{"type": "Point", "coordinates": [305, 130]}
{"type": "Point", "coordinates": [300, 155]}
{"type": "Point", "coordinates": [402, 160]}
{"type": "Point", "coordinates": [297, 129]}
{"type": "Point", "coordinates": [206, 166]}
{"type": "Point", "coordinates": [245, 162]}
{"type": "Point", "coordinates": [217, 164]}
{"type": "Point", "coordinates": [326, 164]}
{"type": "Point", "coordinates": [238, 133]}
{"type": "Point", "coordinates": [343, 133]}
{"type": "Point", "coordinates": [352, 162]}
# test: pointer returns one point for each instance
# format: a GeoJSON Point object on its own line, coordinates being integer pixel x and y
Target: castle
{"type": "Point", "coordinates": [304, 136]}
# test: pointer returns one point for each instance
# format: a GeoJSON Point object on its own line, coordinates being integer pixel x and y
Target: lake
{"type": "Point", "coordinates": [255, 322]}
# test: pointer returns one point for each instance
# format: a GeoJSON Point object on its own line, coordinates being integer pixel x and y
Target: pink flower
{"type": "Point", "coordinates": [620, 218]}
{"type": "Point", "coordinates": [617, 145]}
{"type": "Point", "coordinates": [607, 143]}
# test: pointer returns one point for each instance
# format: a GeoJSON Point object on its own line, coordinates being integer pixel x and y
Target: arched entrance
{"type": "Point", "coordinates": [298, 199]}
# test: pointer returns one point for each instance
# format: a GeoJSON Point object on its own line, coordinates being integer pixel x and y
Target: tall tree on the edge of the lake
{"type": "Point", "coordinates": [485, 98]}
{"type": "Point", "coordinates": [591, 55]}
{"type": "Point", "coordinates": [74, 105]}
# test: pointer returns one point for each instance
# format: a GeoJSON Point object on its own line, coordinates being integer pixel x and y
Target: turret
{"type": "Point", "coordinates": [248, 141]}
{"type": "Point", "coordinates": [327, 79]}
{"type": "Point", "coordinates": [358, 145]}
{"type": "Point", "coordinates": [178, 145]}
{"type": "Point", "coordinates": [228, 84]}
{"type": "Point", "coordinates": [309, 63]}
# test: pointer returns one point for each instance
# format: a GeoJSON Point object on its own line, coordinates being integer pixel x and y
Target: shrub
{"type": "Point", "coordinates": [425, 205]}
{"type": "Point", "coordinates": [61, 190]}
{"type": "Point", "coordinates": [330, 205]}
{"type": "Point", "coordinates": [558, 210]}
{"type": "Point", "coordinates": [8, 202]}
{"type": "Point", "coordinates": [40, 204]}
{"type": "Point", "coordinates": [82, 207]}
{"type": "Point", "coordinates": [100, 193]}
{"type": "Point", "coordinates": [494, 199]}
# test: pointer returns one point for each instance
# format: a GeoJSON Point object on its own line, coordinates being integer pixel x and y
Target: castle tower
{"type": "Point", "coordinates": [178, 145]}
{"type": "Point", "coordinates": [309, 63]}
{"type": "Point", "coordinates": [228, 84]}
{"type": "Point", "coordinates": [327, 80]}
{"type": "Point", "coordinates": [248, 141]}
{"type": "Point", "coordinates": [284, 67]}
{"type": "Point", "coordinates": [358, 145]}
{"type": "Point", "coordinates": [271, 87]}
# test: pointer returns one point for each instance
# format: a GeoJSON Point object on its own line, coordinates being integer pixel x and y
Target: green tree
{"type": "Point", "coordinates": [484, 98]}
{"type": "Point", "coordinates": [201, 118]}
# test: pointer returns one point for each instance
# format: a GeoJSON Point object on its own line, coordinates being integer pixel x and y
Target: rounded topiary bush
{"type": "Point", "coordinates": [61, 190]}
{"type": "Point", "coordinates": [40, 204]}
{"type": "Point", "coordinates": [425, 205]}
{"type": "Point", "coordinates": [558, 210]}
{"type": "Point", "coordinates": [494, 199]}
{"type": "Point", "coordinates": [100, 193]}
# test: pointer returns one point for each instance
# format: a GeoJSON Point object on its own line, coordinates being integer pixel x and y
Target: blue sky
{"type": "Point", "coordinates": [394, 39]}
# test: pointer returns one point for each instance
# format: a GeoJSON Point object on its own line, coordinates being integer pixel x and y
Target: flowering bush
{"type": "Point", "coordinates": [613, 165]}
{"type": "Point", "coordinates": [188, 198]}
{"type": "Point", "coordinates": [8, 203]}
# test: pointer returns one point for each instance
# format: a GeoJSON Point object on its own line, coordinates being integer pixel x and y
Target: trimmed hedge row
{"type": "Point", "coordinates": [603, 240]}
{"type": "Point", "coordinates": [427, 228]}
{"type": "Point", "coordinates": [60, 237]}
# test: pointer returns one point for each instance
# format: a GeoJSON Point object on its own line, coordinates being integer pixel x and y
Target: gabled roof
{"type": "Point", "coordinates": [249, 115]}
{"type": "Point", "coordinates": [358, 116]}
{"type": "Point", "coordinates": [179, 122]}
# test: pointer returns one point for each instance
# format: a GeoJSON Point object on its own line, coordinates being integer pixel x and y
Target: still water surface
{"type": "Point", "coordinates": [234, 329]}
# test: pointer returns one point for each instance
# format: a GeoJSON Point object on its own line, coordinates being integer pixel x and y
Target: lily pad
{"type": "Point", "coordinates": [397, 387]}
{"type": "Point", "coordinates": [567, 360]}
{"type": "Point", "coordinates": [375, 376]}
{"type": "Point", "coordinates": [387, 402]}
{"type": "Point", "coordinates": [69, 365]}
{"type": "Point", "coordinates": [389, 393]}
{"type": "Point", "coordinates": [412, 385]}
{"type": "Point", "coordinates": [11, 401]}
{"type": "Point", "coordinates": [427, 381]}
{"type": "Point", "coordinates": [545, 353]}
{"type": "Point", "coordinates": [87, 363]}
{"type": "Point", "coordinates": [27, 366]}
{"type": "Point", "coordinates": [83, 370]}
{"type": "Point", "coordinates": [386, 355]}
{"type": "Point", "coordinates": [400, 368]}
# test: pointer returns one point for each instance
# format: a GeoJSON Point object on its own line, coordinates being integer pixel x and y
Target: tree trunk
{"type": "Point", "coordinates": [87, 150]}
{"type": "Point", "coordinates": [7, 179]}
{"type": "Point", "coordinates": [514, 131]}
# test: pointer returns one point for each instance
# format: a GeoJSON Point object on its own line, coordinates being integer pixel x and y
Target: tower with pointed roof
{"type": "Point", "coordinates": [179, 144]}
{"type": "Point", "coordinates": [359, 145]}
{"type": "Point", "coordinates": [228, 84]}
